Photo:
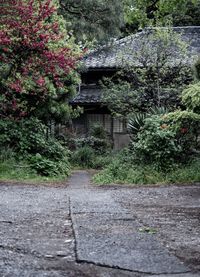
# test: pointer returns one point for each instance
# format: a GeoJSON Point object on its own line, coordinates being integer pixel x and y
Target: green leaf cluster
{"type": "Point", "coordinates": [191, 97]}
{"type": "Point", "coordinates": [93, 21]}
{"type": "Point", "coordinates": [153, 75]}
{"type": "Point", "coordinates": [142, 13]}
{"type": "Point", "coordinates": [29, 141]}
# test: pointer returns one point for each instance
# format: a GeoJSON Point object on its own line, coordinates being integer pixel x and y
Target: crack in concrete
{"type": "Point", "coordinates": [129, 270]}
{"type": "Point", "coordinates": [73, 231]}
{"type": "Point", "coordinates": [82, 261]}
{"type": "Point", "coordinates": [79, 261]}
{"type": "Point", "coordinates": [111, 267]}
{"type": "Point", "coordinates": [6, 221]}
{"type": "Point", "coordinates": [77, 220]}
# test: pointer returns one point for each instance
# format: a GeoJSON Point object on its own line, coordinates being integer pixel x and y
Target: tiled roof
{"type": "Point", "coordinates": [112, 56]}
{"type": "Point", "coordinates": [123, 50]}
{"type": "Point", "coordinates": [88, 95]}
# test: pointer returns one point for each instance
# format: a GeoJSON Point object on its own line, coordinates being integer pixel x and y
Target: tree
{"type": "Point", "coordinates": [93, 20]}
{"type": "Point", "coordinates": [153, 75]}
{"type": "Point", "coordinates": [190, 17]}
{"type": "Point", "coordinates": [38, 60]}
{"type": "Point", "coordinates": [142, 13]}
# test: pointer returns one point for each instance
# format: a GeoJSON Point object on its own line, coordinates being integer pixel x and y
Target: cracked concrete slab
{"type": "Point", "coordinates": [118, 244]}
{"type": "Point", "coordinates": [104, 236]}
{"type": "Point", "coordinates": [37, 237]}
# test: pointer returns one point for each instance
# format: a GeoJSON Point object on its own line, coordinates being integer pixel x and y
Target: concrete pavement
{"type": "Point", "coordinates": [82, 230]}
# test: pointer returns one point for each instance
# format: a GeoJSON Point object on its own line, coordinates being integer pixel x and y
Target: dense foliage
{"type": "Point", "coordinates": [38, 72]}
{"type": "Point", "coordinates": [155, 78]}
{"type": "Point", "coordinates": [190, 17]}
{"type": "Point", "coordinates": [93, 150]}
{"type": "Point", "coordinates": [28, 141]}
{"type": "Point", "coordinates": [121, 170]}
{"type": "Point", "coordinates": [37, 59]}
{"type": "Point", "coordinates": [164, 147]}
{"type": "Point", "coordinates": [98, 21]}
{"type": "Point", "coordinates": [163, 108]}
{"type": "Point", "coordinates": [95, 21]}
{"type": "Point", "coordinates": [142, 13]}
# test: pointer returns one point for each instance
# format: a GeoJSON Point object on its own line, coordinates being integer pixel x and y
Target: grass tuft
{"type": "Point", "coordinates": [10, 170]}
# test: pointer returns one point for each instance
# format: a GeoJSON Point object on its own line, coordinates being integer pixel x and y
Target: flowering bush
{"type": "Point", "coordinates": [37, 57]}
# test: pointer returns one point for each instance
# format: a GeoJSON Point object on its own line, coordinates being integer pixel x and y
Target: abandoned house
{"type": "Point", "coordinates": [107, 61]}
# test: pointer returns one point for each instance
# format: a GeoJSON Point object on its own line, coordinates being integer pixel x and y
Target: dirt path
{"type": "Point", "coordinates": [81, 230]}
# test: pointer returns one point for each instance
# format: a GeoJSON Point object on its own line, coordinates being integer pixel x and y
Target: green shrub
{"type": "Point", "coordinates": [67, 139]}
{"type": "Point", "coordinates": [86, 157]}
{"type": "Point", "coordinates": [100, 146]}
{"type": "Point", "coordinates": [23, 136]}
{"type": "Point", "coordinates": [119, 173]}
{"type": "Point", "coordinates": [137, 120]}
{"type": "Point", "coordinates": [17, 170]}
{"type": "Point", "coordinates": [28, 140]}
{"type": "Point", "coordinates": [6, 153]}
{"type": "Point", "coordinates": [47, 167]}
{"type": "Point", "coordinates": [98, 131]}
{"type": "Point", "coordinates": [12, 169]}
{"type": "Point", "coordinates": [157, 143]}
{"type": "Point", "coordinates": [188, 173]}
{"type": "Point", "coordinates": [163, 140]}
{"type": "Point", "coordinates": [100, 161]}
{"type": "Point", "coordinates": [98, 139]}
{"type": "Point", "coordinates": [186, 124]}
{"type": "Point", "coordinates": [83, 157]}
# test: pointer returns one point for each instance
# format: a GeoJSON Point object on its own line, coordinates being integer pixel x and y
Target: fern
{"type": "Point", "coordinates": [191, 97]}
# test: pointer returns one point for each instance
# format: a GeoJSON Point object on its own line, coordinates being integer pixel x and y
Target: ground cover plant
{"type": "Point", "coordinates": [13, 170]}
{"type": "Point", "coordinates": [124, 172]}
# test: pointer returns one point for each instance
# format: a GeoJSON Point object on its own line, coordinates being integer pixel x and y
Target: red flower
{"type": "Point", "coordinates": [184, 130]}
{"type": "Point", "coordinates": [40, 82]}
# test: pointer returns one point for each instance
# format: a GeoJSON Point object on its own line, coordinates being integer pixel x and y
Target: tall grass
{"type": "Point", "coordinates": [118, 173]}
{"type": "Point", "coordinates": [12, 169]}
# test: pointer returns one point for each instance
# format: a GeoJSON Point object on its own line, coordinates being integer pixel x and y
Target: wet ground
{"type": "Point", "coordinates": [78, 229]}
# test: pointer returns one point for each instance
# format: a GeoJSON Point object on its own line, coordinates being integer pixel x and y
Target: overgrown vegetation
{"type": "Point", "coordinates": [152, 76]}
{"type": "Point", "coordinates": [30, 146]}
{"type": "Point", "coordinates": [126, 171]}
{"type": "Point", "coordinates": [164, 122]}
{"type": "Point", "coordinates": [15, 170]}
{"type": "Point", "coordinates": [93, 151]}
{"type": "Point", "coordinates": [165, 146]}
{"type": "Point", "coordinates": [38, 75]}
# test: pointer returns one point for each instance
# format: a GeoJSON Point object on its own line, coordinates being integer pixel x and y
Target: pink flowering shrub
{"type": "Point", "coordinates": [36, 56]}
